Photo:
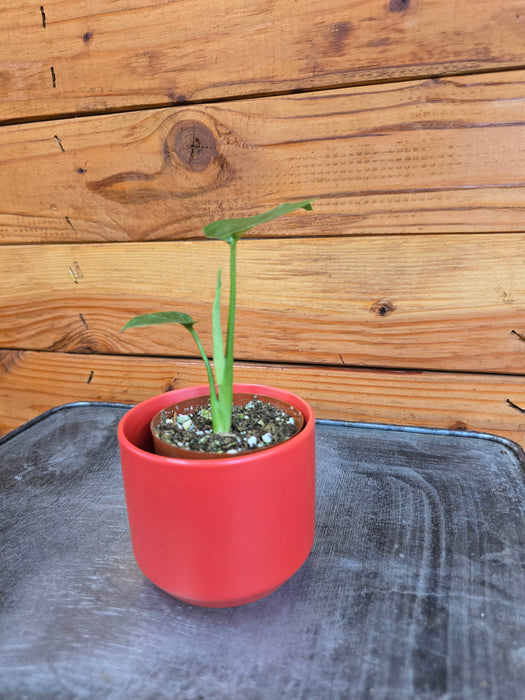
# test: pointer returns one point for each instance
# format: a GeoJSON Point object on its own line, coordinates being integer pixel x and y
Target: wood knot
{"type": "Point", "coordinates": [339, 33]}
{"type": "Point", "coordinates": [382, 308]}
{"type": "Point", "coordinates": [193, 143]}
{"type": "Point", "coordinates": [399, 5]}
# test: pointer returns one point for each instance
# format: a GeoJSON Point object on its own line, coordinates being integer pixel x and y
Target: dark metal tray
{"type": "Point", "coordinates": [415, 587]}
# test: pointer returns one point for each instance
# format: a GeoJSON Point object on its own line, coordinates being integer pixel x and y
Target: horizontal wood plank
{"type": "Point", "coordinates": [418, 157]}
{"type": "Point", "coordinates": [421, 302]}
{"type": "Point", "coordinates": [33, 382]}
{"type": "Point", "coordinates": [93, 56]}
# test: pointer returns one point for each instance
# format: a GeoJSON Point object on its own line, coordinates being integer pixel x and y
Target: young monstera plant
{"type": "Point", "coordinates": [220, 382]}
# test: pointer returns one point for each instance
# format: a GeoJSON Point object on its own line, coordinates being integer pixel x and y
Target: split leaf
{"type": "Point", "coordinates": [160, 317]}
{"type": "Point", "coordinates": [229, 229]}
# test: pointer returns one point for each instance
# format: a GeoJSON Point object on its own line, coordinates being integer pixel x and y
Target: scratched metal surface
{"type": "Point", "coordinates": [415, 587]}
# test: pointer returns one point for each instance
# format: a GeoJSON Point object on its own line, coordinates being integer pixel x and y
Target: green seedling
{"type": "Point", "coordinates": [221, 383]}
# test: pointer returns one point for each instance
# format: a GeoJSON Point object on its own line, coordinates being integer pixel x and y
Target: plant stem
{"type": "Point", "coordinates": [226, 386]}
{"type": "Point", "coordinates": [218, 424]}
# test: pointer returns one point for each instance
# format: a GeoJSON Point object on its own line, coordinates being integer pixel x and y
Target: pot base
{"type": "Point", "coordinates": [229, 603]}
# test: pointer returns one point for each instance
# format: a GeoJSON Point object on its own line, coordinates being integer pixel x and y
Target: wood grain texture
{"type": "Point", "coordinates": [413, 256]}
{"type": "Point", "coordinates": [417, 157]}
{"type": "Point", "coordinates": [62, 57]}
{"type": "Point", "coordinates": [32, 382]}
{"type": "Point", "coordinates": [423, 302]}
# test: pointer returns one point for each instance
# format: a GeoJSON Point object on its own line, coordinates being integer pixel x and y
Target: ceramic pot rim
{"type": "Point", "coordinates": [159, 401]}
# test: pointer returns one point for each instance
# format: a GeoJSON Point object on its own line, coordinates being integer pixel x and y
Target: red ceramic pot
{"type": "Point", "coordinates": [221, 532]}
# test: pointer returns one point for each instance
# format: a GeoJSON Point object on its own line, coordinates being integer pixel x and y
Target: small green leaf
{"type": "Point", "coordinates": [159, 318]}
{"type": "Point", "coordinates": [229, 229]}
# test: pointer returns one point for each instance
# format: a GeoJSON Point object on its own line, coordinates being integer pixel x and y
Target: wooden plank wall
{"type": "Point", "coordinates": [126, 125]}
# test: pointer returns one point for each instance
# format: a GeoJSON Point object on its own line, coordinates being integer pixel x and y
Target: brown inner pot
{"type": "Point", "coordinates": [190, 406]}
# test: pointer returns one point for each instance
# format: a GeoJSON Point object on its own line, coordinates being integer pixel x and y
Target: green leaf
{"type": "Point", "coordinates": [218, 342]}
{"type": "Point", "coordinates": [229, 229]}
{"type": "Point", "coordinates": [159, 318]}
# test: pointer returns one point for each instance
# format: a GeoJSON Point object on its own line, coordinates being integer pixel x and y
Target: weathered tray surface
{"type": "Point", "coordinates": [415, 587]}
